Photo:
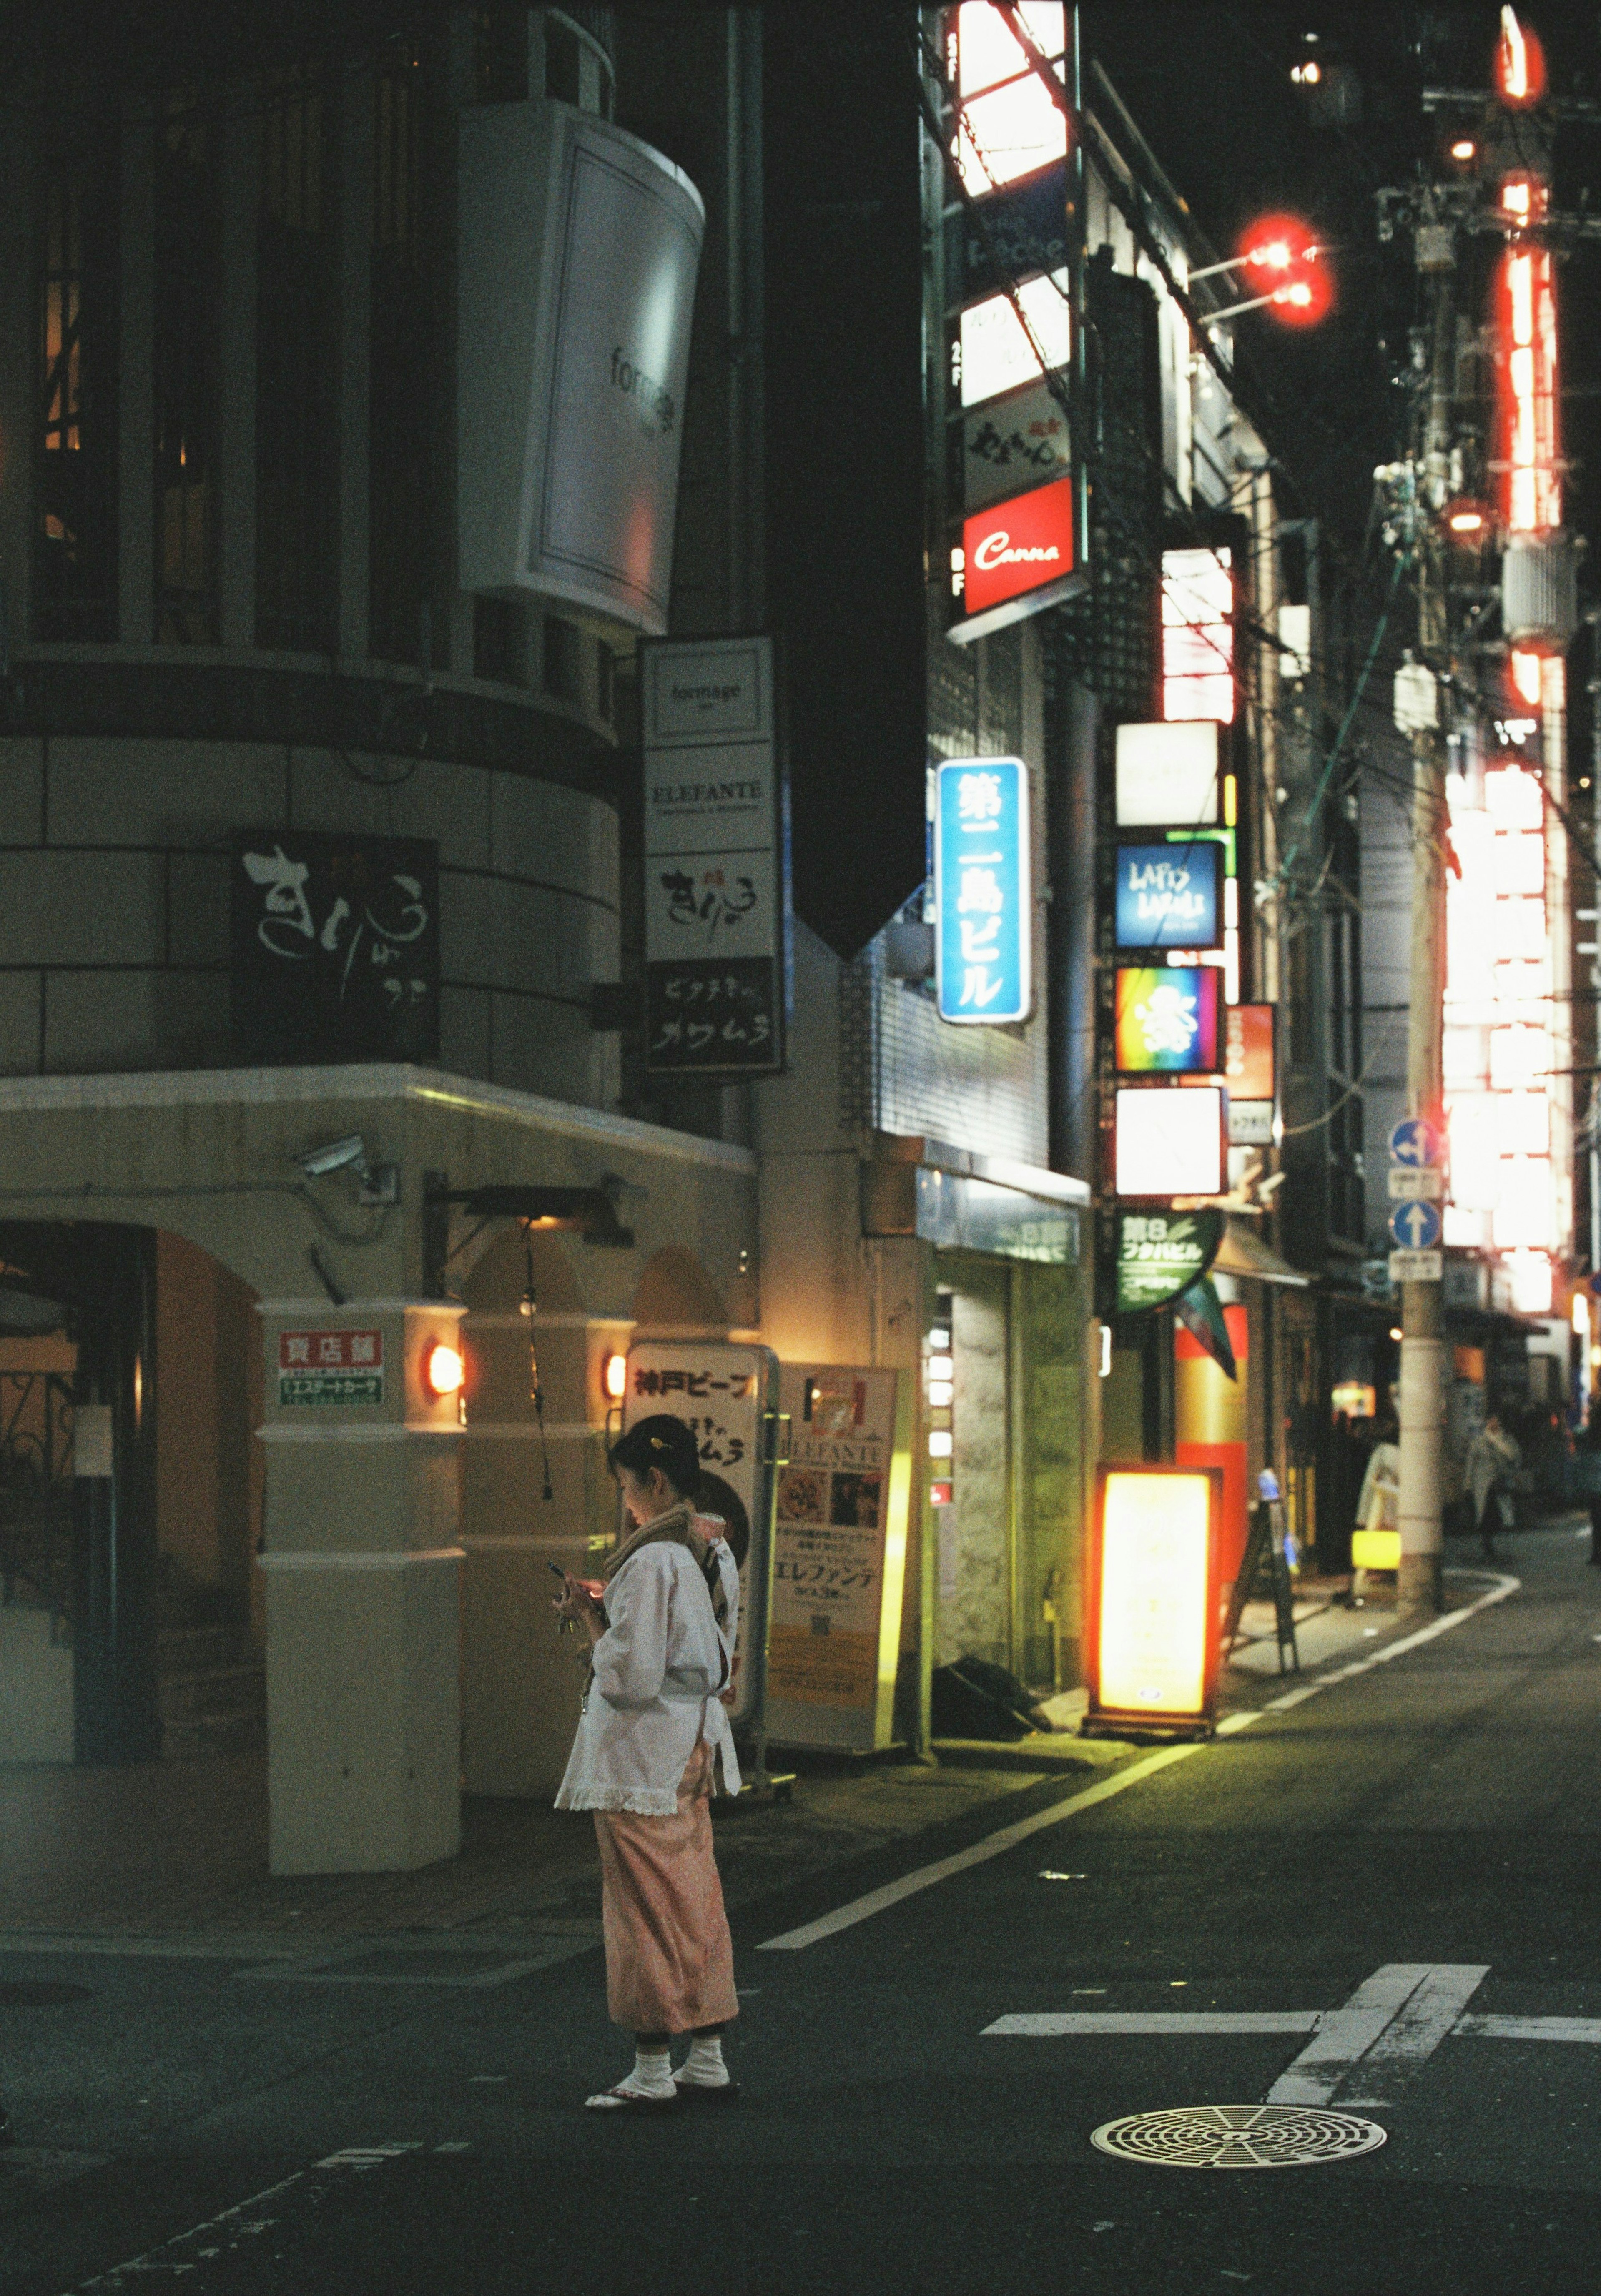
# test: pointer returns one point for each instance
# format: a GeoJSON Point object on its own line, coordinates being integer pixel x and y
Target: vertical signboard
{"type": "Point", "coordinates": [1152, 1601]}
{"type": "Point", "coordinates": [727, 1396]}
{"type": "Point", "coordinates": [577, 248]}
{"type": "Point", "coordinates": [839, 1559]}
{"type": "Point", "coordinates": [983, 893]}
{"type": "Point", "coordinates": [716, 860]}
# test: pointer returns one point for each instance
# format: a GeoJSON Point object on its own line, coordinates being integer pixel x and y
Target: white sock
{"type": "Point", "coordinates": [704, 2064]}
{"type": "Point", "coordinates": [652, 2073]}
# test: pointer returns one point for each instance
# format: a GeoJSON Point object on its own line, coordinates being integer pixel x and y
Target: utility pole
{"type": "Point", "coordinates": [1422, 1318]}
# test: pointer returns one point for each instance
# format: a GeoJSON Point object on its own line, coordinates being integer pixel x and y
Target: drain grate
{"type": "Point", "coordinates": [1238, 2136]}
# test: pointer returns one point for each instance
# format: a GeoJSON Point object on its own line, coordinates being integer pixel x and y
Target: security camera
{"type": "Point", "coordinates": [334, 1157]}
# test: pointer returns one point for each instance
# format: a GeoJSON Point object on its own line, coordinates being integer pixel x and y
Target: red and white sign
{"type": "Point", "coordinates": [330, 1350]}
{"type": "Point", "coordinates": [1018, 546]}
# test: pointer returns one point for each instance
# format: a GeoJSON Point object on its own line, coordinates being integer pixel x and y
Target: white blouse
{"type": "Point", "coordinates": [658, 1670]}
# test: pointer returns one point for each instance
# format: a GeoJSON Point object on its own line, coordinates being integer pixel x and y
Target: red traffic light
{"type": "Point", "coordinates": [1520, 65]}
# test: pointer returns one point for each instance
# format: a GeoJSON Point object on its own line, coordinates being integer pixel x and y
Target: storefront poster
{"type": "Point", "coordinates": [838, 1558]}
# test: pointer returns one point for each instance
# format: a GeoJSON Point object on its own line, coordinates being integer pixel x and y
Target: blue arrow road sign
{"type": "Point", "coordinates": [1415, 1142]}
{"type": "Point", "coordinates": [1415, 1226]}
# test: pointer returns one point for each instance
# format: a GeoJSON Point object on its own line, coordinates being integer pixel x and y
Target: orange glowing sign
{"type": "Point", "coordinates": [1520, 64]}
{"type": "Point", "coordinates": [1527, 382]}
{"type": "Point", "coordinates": [1153, 1597]}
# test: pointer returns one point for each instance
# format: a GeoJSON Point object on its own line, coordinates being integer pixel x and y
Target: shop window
{"type": "Point", "coordinates": [296, 403]}
{"type": "Point", "coordinates": [75, 537]}
{"type": "Point", "coordinates": [187, 375]}
{"type": "Point", "coordinates": [404, 421]}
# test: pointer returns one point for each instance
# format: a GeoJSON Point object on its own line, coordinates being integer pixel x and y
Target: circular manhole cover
{"type": "Point", "coordinates": [1238, 2136]}
{"type": "Point", "coordinates": [41, 1996]}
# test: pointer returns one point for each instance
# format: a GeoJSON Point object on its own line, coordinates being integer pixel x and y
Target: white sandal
{"type": "Point", "coordinates": [625, 2099]}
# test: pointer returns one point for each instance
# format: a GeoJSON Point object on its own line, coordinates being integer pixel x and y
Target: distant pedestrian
{"type": "Point", "coordinates": [662, 1631]}
{"type": "Point", "coordinates": [1492, 1456]}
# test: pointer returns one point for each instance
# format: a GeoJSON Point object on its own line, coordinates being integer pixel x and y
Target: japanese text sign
{"type": "Point", "coordinates": [1160, 1254]}
{"type": "Point", "coordinates": [716, 862]}
{"type": "Point", "coordinates": [335, 948]}
{"type": "Point", "coordinates": [1170, 896]}
{"type": "Point", "coordinates": [983, 893]}
{"type": "Point", "coordinates": [838, 1560]}
{"type": "Point", "coordinates": [1249, 1052]}
{"type": "Point", "coordinates": [330, 1367]}
{"type": "Point", "coordinates": [1169, 1020]}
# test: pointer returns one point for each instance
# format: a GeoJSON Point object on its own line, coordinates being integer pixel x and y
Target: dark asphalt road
{"type": "Point", "coordinates": [1443, 1811]}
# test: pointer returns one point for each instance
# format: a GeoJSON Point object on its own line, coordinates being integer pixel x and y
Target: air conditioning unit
{"type": "Point", "coordinates": [1540, 591]}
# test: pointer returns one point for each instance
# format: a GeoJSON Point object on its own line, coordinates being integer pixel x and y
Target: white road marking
{"type": "Point", "coordinates": [993, 1845]}
{"type": "Point", "coordinates": [1411, 2039]}
{"type": "Point", "coordinates": [996, 1845]}
{"type": "Point", "coordinates": [1531, 2028]}
{"type": "Point", "coordinates": [1051, 2024]}
{"type": "Point", "coordinates": [1346, 2034]}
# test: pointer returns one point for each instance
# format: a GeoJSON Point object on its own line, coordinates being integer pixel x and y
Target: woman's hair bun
{"type": "Point", "coordinates": [660, 1441]}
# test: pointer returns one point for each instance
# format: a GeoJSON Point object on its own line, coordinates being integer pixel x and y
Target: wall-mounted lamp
{"type": "Point", "coordinates": [443, 1369]}
{"type": "Point", "coordinates": [614, 1377]}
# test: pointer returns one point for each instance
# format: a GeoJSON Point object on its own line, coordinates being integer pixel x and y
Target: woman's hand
{"type": "Point", "coordinates": [579, 1602]}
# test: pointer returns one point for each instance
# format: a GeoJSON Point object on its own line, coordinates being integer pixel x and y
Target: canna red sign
{"type": "Point", "coordinates": [1018, 546]}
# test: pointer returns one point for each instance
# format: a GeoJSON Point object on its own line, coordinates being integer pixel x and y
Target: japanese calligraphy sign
{"type": "Point", "coordinates": [1170, 896]}
{"type": "Point", "coordinates": [727, 1396]}
{"type": "Point", "coordinates": [335, 948]}
{"type": "Point", "coordinates": [983, 890]}
{"type": "Point", "coordinates": [716, 860]}
{"type": "Point", "coordinates": [1160, 1254]}
{"type": "Point", "coordinates": [1169, 1020]}
{"type": "Point", "coordinates": [330, 1367]}
{"type": "Point", "coordinates": [838, 1559]}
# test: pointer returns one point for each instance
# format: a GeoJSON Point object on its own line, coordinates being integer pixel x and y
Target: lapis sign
{"type": "Point", "coordinates": [983, 899]}
{"type": "Point", "coordinates": [1170, 896]}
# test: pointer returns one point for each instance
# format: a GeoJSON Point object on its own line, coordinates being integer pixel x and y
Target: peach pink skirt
{"type": "Point", "coordinates": [670, 1959]}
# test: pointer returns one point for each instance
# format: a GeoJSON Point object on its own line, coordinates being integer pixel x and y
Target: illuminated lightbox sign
{"type": "Point", "coordinates": [1170, 896]}
{"type": "Point", "coordinates": [983, 896]}
{"type": "Point", "coordinates": [1169, 1020]}
{"type": "Point", "coordinates": [1153, 1597]}
{"type": "Point", "coordinates": [1009, 123]}
{"type": "Point", "coordinates": [1169, 1140]}
{"type": "Point", "coordinates": [1249, 1071]}
{"type": "Point", "coordinates": [1017, 547]}
{"type": "Point", "coordinates": [1167, 775]}
{"type": "Point", "coordinates": [993, 350]}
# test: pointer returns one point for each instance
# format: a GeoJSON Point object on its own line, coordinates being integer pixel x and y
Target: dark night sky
{"type": "Point", "coordinates": [1209, 83]}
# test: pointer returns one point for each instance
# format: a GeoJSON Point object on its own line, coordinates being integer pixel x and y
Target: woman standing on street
{"type": "Point", "coordinates": [661, 1632]}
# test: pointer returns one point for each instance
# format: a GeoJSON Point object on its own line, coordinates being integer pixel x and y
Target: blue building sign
{"type": "Point", "coordinates": [1170, 896]}
{"type": "Point", "coordinates": [983, 898]}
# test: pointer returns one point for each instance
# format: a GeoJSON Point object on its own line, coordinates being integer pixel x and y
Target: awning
{"type": "Point", "coordinates": [1241, 1254]}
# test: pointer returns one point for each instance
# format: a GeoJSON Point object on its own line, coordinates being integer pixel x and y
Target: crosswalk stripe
{"type": "Point", "coordinates": [1053, 2024]}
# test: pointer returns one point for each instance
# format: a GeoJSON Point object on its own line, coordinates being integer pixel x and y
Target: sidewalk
{"type": "Point", "coordinates": [172, 1857]}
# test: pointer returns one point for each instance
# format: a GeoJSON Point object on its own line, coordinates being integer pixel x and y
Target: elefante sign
{"type": "Point", "coordinates": [838, 1559]}
{"type": "Point", "coordinates": [716, 860]}
{"type": "Point", "coordinates": [335, 948]}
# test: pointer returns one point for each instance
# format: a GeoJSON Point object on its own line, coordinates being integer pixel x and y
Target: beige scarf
{"type": "Point", "coordinates": [676, 1528]}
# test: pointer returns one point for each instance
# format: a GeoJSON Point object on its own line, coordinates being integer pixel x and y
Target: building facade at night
{"type": "Point", "coordinates": [324, 840]}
